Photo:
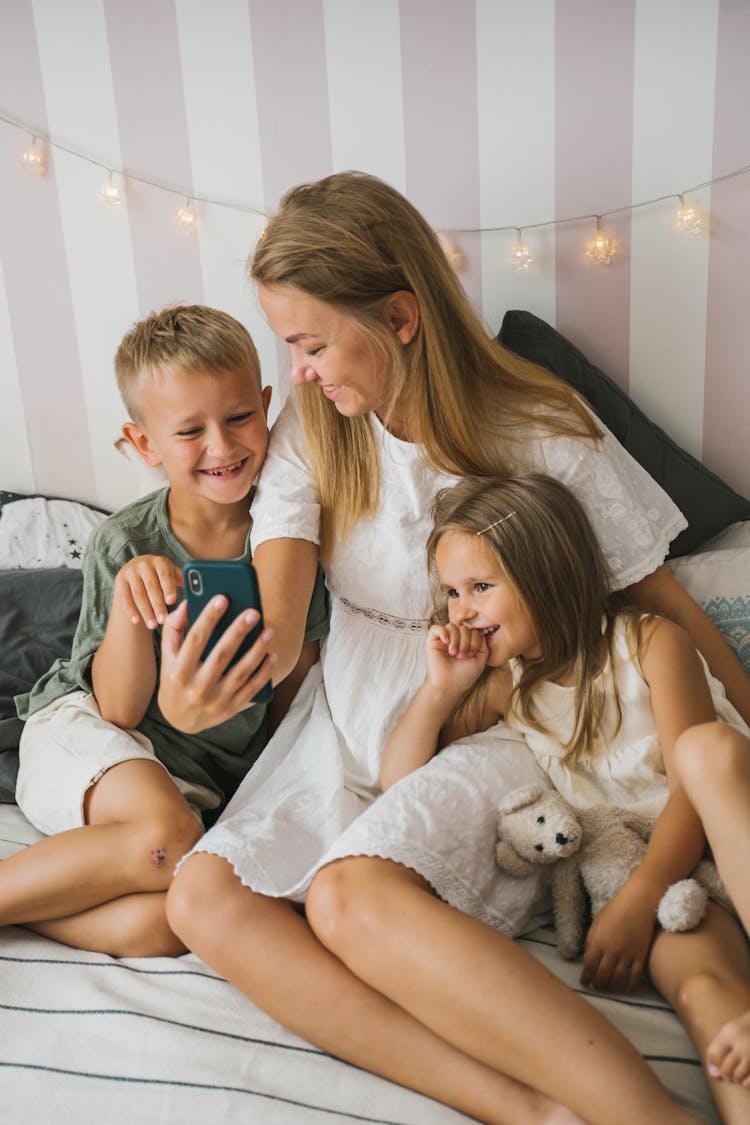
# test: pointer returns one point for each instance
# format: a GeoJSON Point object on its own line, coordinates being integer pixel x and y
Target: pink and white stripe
{"type": "Point", "coordinates": [487, 113]}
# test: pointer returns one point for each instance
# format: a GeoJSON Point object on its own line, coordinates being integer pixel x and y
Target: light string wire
{"type": "Point", "coordinates": [38, 135]}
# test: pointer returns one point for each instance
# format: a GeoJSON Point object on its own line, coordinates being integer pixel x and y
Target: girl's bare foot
{"type": "Point", "coordinates": [728, 1056]}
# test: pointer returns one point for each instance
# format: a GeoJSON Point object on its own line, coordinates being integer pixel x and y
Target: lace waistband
{"type": "Point", "coordinates": [401, 624]}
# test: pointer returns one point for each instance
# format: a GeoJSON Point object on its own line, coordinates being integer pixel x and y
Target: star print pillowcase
{"type": "Point", "coordinates": [38, 533]}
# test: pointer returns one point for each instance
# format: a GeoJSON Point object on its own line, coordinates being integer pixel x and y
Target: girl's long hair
{"type": "Point", "coordinates": [352, 241]}
{"type": "Point", "coordinates": [550, 553]}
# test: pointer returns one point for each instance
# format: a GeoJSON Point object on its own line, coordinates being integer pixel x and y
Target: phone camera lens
{"type": "Point", "coordinates": [194, 578]}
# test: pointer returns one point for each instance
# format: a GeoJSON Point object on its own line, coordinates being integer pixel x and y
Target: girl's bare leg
{"type": "Point", "coordinates": [705, 976]}
{"type": "Point", "coordinates": [266, 948]}
{"type": "Point", "coordinates": [713, 761]}
{"type": "Point", "coordinates": [478, 990]}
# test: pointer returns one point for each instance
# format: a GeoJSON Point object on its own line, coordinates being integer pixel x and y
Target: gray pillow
{"type": "Point", "coordinates": [39, 612]}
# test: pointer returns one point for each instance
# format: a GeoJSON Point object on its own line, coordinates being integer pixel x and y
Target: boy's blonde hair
{"type": "Point", "coordinates": [191, 337]}
{"type": "Point", "coordinates": [352, 241]}
{"type": "Point", "coordinates": [550, 553]}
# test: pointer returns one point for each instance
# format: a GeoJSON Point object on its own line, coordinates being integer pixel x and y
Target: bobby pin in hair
{"type": "Point", "coordinates": [491, 525]}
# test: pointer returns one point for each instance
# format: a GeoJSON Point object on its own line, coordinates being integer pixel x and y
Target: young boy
{"type": "Point", "coordinates": [117, 791]}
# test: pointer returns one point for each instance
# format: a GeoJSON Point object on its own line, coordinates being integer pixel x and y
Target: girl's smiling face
{"type": "Point", "coordinates": [481, 596]}
{"type": "Point", "coordinates": [329, 348]}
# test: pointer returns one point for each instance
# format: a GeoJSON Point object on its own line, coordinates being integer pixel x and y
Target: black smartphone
{"type": "Point", "coordinates": [237, 581]}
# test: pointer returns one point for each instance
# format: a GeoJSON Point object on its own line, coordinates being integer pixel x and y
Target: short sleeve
{"type": "Point", "coordinates": [286, 504]}
{"type": "Point", "coordinates": [633, 517]}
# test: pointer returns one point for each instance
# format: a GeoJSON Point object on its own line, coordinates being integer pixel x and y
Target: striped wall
{"type": "Point", "coordinates": [487, 113]}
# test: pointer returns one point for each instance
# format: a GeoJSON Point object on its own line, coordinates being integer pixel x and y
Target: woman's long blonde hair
{"type": "Point", "coordinates": [550, 553]}
{"type": "Point", "coordinates": [353, 241]}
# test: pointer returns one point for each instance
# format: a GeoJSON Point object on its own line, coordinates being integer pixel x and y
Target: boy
{"type": "Point", "coordinates": [116, 789]}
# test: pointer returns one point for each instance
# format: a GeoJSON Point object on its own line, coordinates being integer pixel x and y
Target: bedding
{"type": "Point", "coordinates": [89, 1038]}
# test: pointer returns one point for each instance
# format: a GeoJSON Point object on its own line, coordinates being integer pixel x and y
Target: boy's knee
{"type": "Point", "coordinates": [162, 842]}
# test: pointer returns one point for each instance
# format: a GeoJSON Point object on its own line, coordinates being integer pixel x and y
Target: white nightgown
{"type": "Point", "coordinates": [625, 765]}
{"type": "Point", "coordinates": [313, 795]}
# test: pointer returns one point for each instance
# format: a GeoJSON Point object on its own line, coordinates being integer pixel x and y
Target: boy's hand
{"type": "Point", "coordinates": [455, 657]}
{"type": "Point", "coordinates": [618, 943]}
{"type": "Point", "coordinates": [196, 694]}
{"type": "Point", "coordinates": [144, 588]}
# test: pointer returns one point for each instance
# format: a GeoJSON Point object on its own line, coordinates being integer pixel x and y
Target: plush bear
{"type": "Point", "coordinates": [595, 850]}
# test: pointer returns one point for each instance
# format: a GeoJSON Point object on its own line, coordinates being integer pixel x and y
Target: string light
{"type": "Point", "coordinates": [601, 249]}
{"type": "Point", "coordinates": [110, 195]}
{"type": "Point", "coordinates": [186, 218]}
{"type": "Point", "coordinates": [452, 252]}
{"type": "Point", "coordinates": [687, 219]}
{"type": "Point", "coordinates": [32, 161]}
{"type": "Point", "coordinates": [519, 255]}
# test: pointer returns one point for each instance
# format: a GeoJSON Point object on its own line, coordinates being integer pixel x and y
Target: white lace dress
{"type": "Point", "coordinates": [313, 795]}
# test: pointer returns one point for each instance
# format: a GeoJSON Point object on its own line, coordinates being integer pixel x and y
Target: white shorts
{"type": "Point", "coordinates": [65, 748]}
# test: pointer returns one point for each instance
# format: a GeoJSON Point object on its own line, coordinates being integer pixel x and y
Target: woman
{"type": "Point", "coordinates": [401, 393]}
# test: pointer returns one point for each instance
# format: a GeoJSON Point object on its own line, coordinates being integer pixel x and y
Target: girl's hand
{"type": "Point", "coordinates": [145, 586]}
{"type": "Point", "coordinates": [196, 694]}
{"type": "Point", "coordinates": [455, 657]}
{"type": "Point", "coordinates": [619, 941]}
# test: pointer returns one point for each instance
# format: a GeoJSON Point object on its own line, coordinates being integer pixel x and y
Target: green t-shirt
{"type": "Point", "coordinates": [219, 757]}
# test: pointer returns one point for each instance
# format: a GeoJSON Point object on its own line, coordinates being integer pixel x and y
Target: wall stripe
{"type": "Point", "coordinates": [727, 403]}
{"type": "Point", "coordinates": [439, 56]}
{"type": "Point", "coordinates": [673, 136]}
{"type": "Point", "coordinates": [16, 471]}
{"type": "Point", "coordinates": [516, 113]}
{"type": "Point", "coordinates": [225, 154]}
{"type": "Point", "coordinates": [594, 100]}
{"type": "Point", "coordinates": [38, 286]}
{"type": "Point", "coordinates": [146, 73]}
{"type": "Point", "coordinates": [363, 51]}
{"type": "Point", "coordinates": [78, 85]}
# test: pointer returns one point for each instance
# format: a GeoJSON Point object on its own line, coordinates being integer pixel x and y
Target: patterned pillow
{"type": "Point", "coordinates": [41, 533]}
{"type": "Point", "coordinates": [720, 582]}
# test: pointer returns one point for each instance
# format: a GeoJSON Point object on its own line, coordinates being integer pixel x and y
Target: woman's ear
{"type": "Point", "coordinates": [402, 314]}
{"type": "Point", "coordinates": [141, 442]}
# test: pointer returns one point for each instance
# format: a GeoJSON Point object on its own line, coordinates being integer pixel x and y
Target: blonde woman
{"type": "Point", "coordinates": [391, 964]}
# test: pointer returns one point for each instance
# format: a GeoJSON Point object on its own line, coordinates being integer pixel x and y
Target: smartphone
{"type": "Point", "coordinates": [237, 581]}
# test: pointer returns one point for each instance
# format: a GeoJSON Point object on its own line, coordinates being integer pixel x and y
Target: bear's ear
{"type": "Point", "coordinates": [509, 860]}
{"type": "Point", "coordinates": [518, 798]}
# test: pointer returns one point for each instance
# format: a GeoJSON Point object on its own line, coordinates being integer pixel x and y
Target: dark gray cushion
{"type": "Point", "coordinates": [38, 616]}
{"type": "Point", "coordinates": [708, 504]}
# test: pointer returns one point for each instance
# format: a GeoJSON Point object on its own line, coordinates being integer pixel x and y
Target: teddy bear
{"type": "Point", "coordinates": [594, 850]}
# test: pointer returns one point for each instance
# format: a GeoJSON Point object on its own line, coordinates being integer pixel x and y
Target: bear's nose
{"type": "Point", "coordinates": [560, 838]}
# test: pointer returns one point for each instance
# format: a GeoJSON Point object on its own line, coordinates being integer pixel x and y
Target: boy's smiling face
{"type": "Point", "coordinates": [208, 429]}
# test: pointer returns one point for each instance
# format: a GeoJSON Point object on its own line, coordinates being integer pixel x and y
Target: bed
{"type": "Point", "coordinates": [88, 1038]}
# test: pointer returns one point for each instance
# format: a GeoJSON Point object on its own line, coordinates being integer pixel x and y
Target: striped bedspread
{"type": "Point", "coordinates": [85, 1038]}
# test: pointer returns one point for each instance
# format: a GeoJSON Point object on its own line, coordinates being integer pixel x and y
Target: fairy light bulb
{"type": "Point", "coordinates": [32, 160]}
{"type": "Point", "coordinates": [601, 249]}
{"type": "Point", "coordinates": [452, 252]}
{"type": "Point", "coordinates": [687, 219]}
{"type": "Point", "coordinates": [110, 195]}
{"type": "Point", "coordinates": [186, 218]}
{"type": "Point", "coordinates": [519, 255]}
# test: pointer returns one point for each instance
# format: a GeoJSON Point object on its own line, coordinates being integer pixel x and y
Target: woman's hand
{"type": "Point", "coordinates": [455, 657]}
{"type": "Point", "coordinates": [619, 941]}
{"type": "Point", "coordinates": [196, 694]}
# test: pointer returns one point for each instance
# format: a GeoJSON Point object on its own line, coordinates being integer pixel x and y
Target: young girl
{"type": "Point", "coordinates": [606, 697]}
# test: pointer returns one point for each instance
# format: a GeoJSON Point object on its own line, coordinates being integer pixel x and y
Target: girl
{"type": "Point", "coordinates": [398, 392]}
{"type": "Point", "coordinates": [607, 698]}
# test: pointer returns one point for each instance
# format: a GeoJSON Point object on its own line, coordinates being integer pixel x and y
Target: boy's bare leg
{"type": "Point", "coordinates": [138, 827]}
{"type": "Point", "coordinates": [409, 1025]}
{"type": "Point", "coordinates": [705, 976]}
{"type": "Point", "coordinates": [132, 926]}
{"type": "Point", "coordinates": [713, 761]}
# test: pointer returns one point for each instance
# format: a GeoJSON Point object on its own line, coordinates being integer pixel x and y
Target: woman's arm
{"type": "Point", "coordinates": [285, 691]}
{"type": "Point", "coordinates": [662, 594]}
{"type": "Point", "coordinates": [621, 934]}
{"type": "Point", "coordinates": [286, 571]}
